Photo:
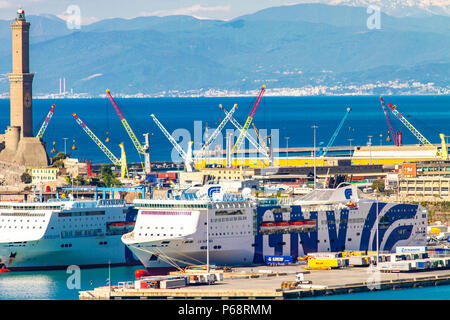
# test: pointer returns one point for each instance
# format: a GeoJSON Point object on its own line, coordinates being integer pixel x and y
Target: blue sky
{"type": "Point", "coordinates": [94, 10]}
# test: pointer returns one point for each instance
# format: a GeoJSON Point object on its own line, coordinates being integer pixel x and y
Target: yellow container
{"type": "Point", "coordinates": [323, 263]}
{"type": "Point", "coordinates": [435, 230]}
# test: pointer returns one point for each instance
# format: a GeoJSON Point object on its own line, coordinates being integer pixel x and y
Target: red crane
{"type": "Point", "coordinates": [396, 135]}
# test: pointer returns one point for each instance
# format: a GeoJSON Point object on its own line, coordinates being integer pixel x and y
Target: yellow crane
{"type": "Point", "coordinates": [442, 153]}
{"type": "Point", "coordinates": [122, 162]}
{"type": "Point", "coordinates": [144, 150]}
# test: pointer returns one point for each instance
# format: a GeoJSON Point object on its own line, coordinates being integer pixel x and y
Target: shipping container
{"type": "Point", "coordinates": [358, 261]}
{"type": "Point", "coordinates": [324, 263]}
{"type": "Point", "coordinates": [173, 283]}
{"type": "Point", "coordinates": [278, 259]}
{"type": "Point", "coordinates": [415, 249]}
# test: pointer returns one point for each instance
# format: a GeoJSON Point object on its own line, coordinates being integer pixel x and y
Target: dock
{"type": "Point", "coordinates": [266, 283]}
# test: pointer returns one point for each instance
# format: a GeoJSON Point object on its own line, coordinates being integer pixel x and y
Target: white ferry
{"type": "Point", "coordinates": [59, 233]}
{"type": "Point", "coordinates": [172, 233]}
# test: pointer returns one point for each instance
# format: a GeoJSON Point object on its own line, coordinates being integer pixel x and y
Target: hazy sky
{"type": "Point", "coordinates": [93, 10]}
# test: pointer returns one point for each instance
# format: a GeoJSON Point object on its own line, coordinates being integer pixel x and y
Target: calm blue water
{"type": "Point", "coordinates": [425, 293]}
{"type": "Point", "coordinates": [293, 116]}
{"type": "Point", "coordinates": [52, 285]}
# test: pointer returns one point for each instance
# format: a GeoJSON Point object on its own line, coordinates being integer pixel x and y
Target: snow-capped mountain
{"type": "Point", "coordinates": [398, 8]}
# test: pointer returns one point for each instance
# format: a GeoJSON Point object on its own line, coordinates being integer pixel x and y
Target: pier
{"type": "Point", "coordinates": [266, 283]}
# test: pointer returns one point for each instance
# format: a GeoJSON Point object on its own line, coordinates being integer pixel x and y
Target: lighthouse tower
{"type": "Point", "coordinates": [18, 145]}
{"type": "Point", "coordinates": [21, 79]}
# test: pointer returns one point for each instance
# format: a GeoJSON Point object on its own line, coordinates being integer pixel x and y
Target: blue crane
{"type": "Point", "coordinates": [324, 151]}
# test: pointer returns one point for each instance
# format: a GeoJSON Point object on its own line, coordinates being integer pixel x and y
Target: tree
{"type": "Point", "coordinates": [60, 156]}
{"type": "Point", "coordinates": [58, 164]}
{"type": "Point", "coordinates": [108, 177]}
{"type": "Point", "coordinates": [26, 178]}
{"type": "Point", "coordinates": [378, 185]}
{"type": "Point", "coordinates": [79, 181]}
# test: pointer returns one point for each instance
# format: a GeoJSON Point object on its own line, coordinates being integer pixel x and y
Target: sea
{"type": "Point", "coordinates": [293, 117]}
{"type": "Point", "coordinates": [288, 119]}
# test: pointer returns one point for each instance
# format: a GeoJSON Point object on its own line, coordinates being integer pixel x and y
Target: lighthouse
{"type": "Point", "coordinates": [18, 145]}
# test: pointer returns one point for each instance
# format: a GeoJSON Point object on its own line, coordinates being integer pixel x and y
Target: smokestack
{"type": "Point", "coordinates": [64, 86]}
{"type": "Point", "coordinates": [270, 151]}
{"type": "Point", "coordinates": [229, 146]}
{"type": "Point", "coordinates": [59, 85]}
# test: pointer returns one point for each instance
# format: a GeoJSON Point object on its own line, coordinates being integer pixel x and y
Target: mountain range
{"type": "Point", "coordinates": [284, 47]}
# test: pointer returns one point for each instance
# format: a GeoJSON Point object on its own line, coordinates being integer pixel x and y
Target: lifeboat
{"type": "Point", "coordinates": [120, 225]}
{"type": "Point", "coordinates": [267, 227]}
{"type": "Point", "coordinates": [296, 225]}
{"type": "Point", "coordinates": [282, 224]}
{"type": "Point", "coordinates": [351, 205]}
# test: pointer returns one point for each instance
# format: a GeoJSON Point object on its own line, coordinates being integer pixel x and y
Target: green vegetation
{"type": "Point", "coordinates": [60, 156]}
{"type": "Point", "coordinates": [378, 185]}
{"type": "Point", "coordinates": [26, 177]}
{"type": "Point", "coordinates": [58, 164]}
{"type": "Point", "coordinates": [108, 178]}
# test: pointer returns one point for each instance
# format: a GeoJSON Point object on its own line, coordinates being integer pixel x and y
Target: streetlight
{"type": "Point", "coordinates": [287, 151]}
{"type": "Point", "coordinates": [378, 222]}
{"type": "Point", "coordinates": [314, 127]}
{"type": "Point", "coordinates": [350, 141]}
{"type": "Point", "coordinates": [369, 143]}
{"type": "Point", "coordinates": [381, 139]}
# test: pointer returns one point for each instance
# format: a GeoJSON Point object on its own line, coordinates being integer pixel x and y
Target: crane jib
{"type": "Point", "coordinates": [119, 113]}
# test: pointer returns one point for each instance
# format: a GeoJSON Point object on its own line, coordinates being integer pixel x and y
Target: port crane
{"type": "Point", "coordinates": [144, 150]}
{"type": "Point", "coordinates": [216, 132]}
{"type": "Point", "coordinates": [46, 122]}
{"type": "Point", "coordinates": [262, 150]}
{"type": "Point", "coordinates": [324, 151]}
{"type": "Point", "coordinates": [443, 153]}
{"type": "Point", "coordinates": [122, 162]}
{"type": "Point", "coordinates": [260, 139]}
{"type": "Point", "coordinates": [396, 135]}
{"type": "Point", "coordinates": [240, 139]}
{"type": "Point", "coordinates": [186, 156]}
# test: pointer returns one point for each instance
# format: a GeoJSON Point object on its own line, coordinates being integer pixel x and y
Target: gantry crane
{"type": "Point", "coordinates": [262, 150]}
{"type": "Point", "coordinates": [46, 122]}
{"type": "Point", "coordinates": [324, 151]}
{"type": "Point", "coordinates": [241, 137]}
{"type": "Point", "coordinates": [144, 150]}
{"type": "Point", "coordinates": [123, 159]}
{"type": "Point", "coordinates": [186, 156]}
{"type": "Point", "coordinates": [396, 135]}
{"type": "Point", "coordinates": [216, 132]}
{"type": "Point", "coordinates": [443, 153]}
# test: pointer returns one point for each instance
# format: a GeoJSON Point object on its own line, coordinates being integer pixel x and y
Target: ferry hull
{"type": "Point", "coordinates": [47, 255]}
{"type": "Point", "coordinates": [346, 229]}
